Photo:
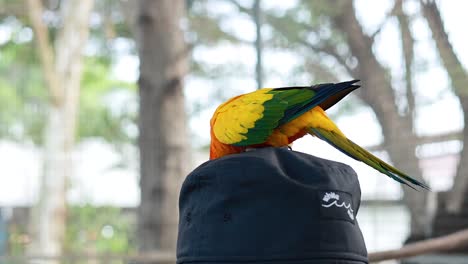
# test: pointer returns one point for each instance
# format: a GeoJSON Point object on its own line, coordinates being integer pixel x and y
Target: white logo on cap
{"type": "Point", "coordinates": [335, 202]}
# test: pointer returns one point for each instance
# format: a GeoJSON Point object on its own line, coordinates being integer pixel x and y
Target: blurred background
{"type": "Point", "coordinates": [105, 107]}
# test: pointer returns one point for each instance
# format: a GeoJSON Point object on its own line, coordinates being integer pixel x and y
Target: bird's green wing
{"type": "Point", "coordinates": [325, 95]}
{"type": "Point", "coordinates": [250, 119]}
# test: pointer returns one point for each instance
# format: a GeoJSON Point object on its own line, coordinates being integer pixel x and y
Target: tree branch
{"type": "Point", "coordinates": [445, 243]}
{"type": "Point", "coordinates": [257, 17]}
{"type": "Point", "coordinates": [330, 50]}
{"type": "Point", "coordinates": [407, 43]}
{"type": "Point", "coordinates": [457, 73]}
{"type": "Point", "coordinates": [12, 8]}
{"type": "Point", "coordinates": [240, 7]}
{"type": "Point", "coordinates": [45, 50]}
{"type": "Point", "coordinates": [325, 48]}
{"type": "Point", "coordinates": [421, 140]}
{"type": "Point", "coordinates": [386, 18]}
{"type": "Point", "coordinates": [326, 74]}
{"type": "Point", "coordinates": [459, 79]}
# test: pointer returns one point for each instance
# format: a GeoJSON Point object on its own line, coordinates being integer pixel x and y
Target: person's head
{"type": "Point", "coordinates": [270, 205]}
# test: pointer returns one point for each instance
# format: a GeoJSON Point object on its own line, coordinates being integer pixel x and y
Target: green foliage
{"type": "Point", "coordinates": [9, 103]}
{"type": "Point", "coordinates": [208, 30]}
{"type": "Point", "coordinates": [22, 97]}
{"type": "Point", "coordinates": [206, 25]}
{"type": "Point", "coordinates": [96, 117]}
{"type": "Point", "coordinates": [98, 230]}
{"type": "Point", "coordinates": [90, 230]}
{"type": "Point", "coordinates": [18, 239]}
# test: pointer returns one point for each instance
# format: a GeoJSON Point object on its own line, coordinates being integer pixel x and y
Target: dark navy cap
{"type": "Point", "coordinates": [270, 205]}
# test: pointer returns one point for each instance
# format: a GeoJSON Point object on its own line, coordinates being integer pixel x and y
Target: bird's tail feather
{"type": "Point", "coordinates": [358, 153]}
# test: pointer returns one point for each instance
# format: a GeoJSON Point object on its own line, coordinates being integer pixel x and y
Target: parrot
{"type": "Point", "coordinates": [276, 117]}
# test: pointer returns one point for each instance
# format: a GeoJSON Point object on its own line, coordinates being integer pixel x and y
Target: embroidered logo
{"type": "Point", "coordinates": [337, 205]}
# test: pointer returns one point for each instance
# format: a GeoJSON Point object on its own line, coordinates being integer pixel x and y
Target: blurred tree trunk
{"type": "Point", "coordinates": [257, 16]}
{"type": "Point", "coordinates": [62, 70]}
{"type": "Point", "coordinates": [407, 44]}
{"type": "Point", "coordinates": [459, 79]}
{"type": "Point", "coordinates": [400, 140]}
{"type": "Point", "coordinates": [163, 140]}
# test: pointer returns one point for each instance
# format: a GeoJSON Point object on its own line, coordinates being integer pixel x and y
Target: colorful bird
{"type": "Point", "coordinates": [277, 117]}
